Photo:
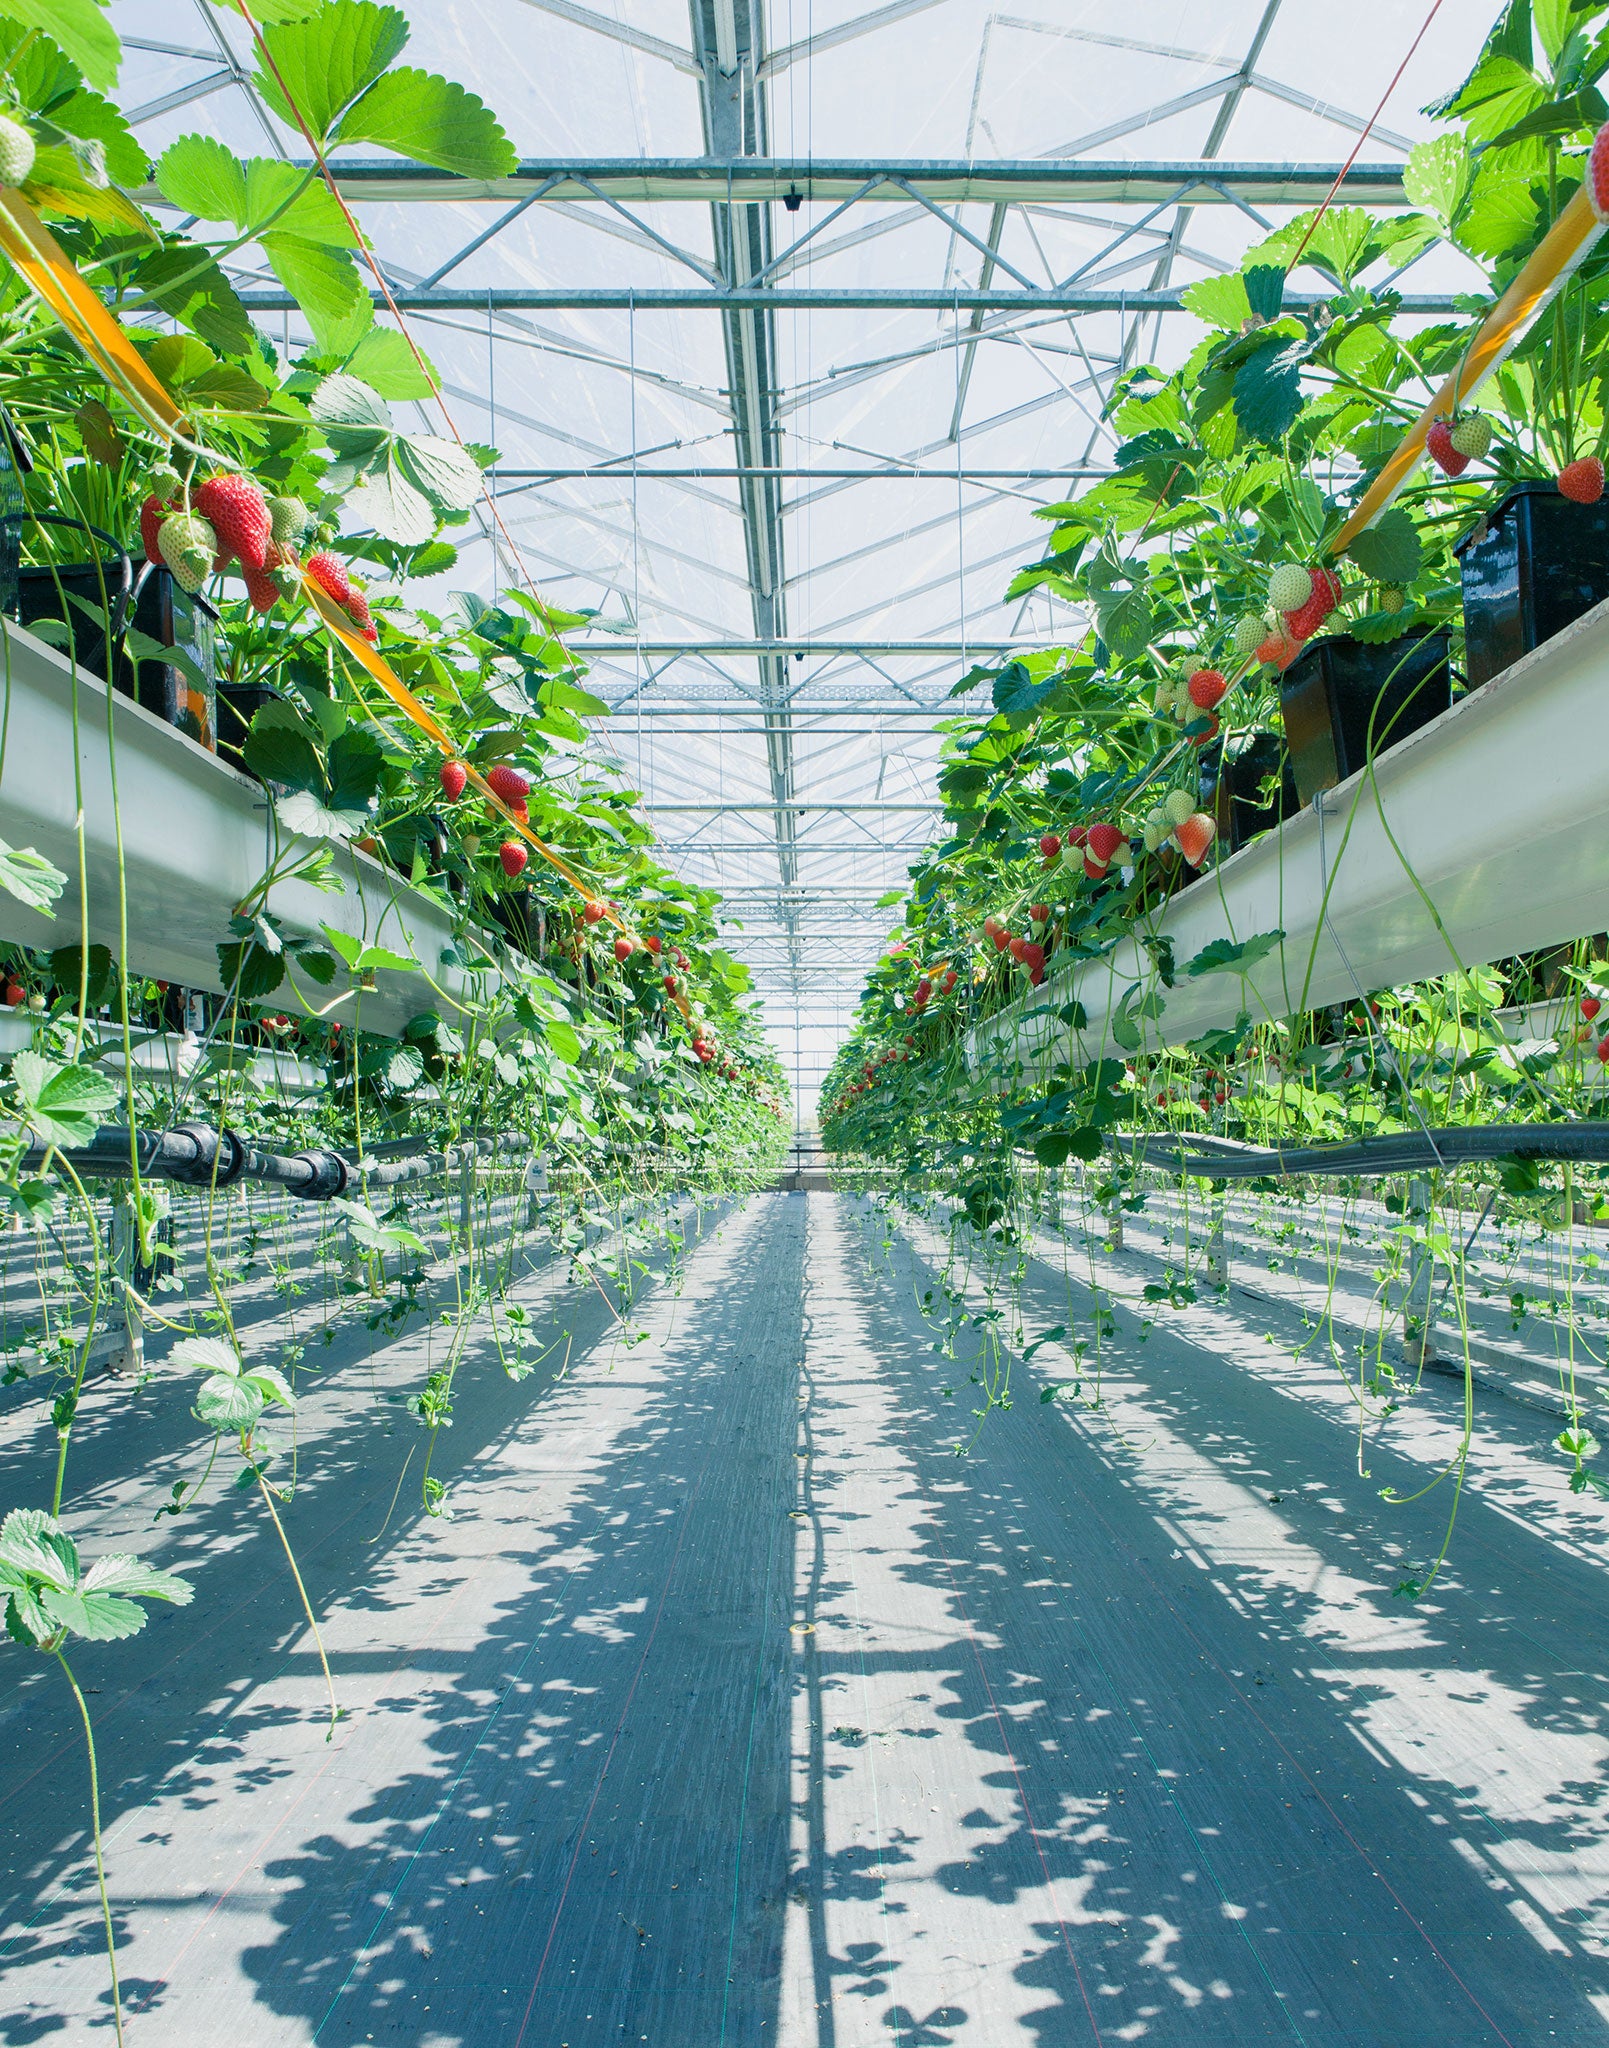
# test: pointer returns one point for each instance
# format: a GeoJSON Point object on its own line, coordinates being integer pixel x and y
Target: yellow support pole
{"type": "Point", "coordinates": [1551, 263]}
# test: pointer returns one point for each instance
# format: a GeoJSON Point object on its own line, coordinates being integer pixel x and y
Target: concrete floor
{"type": "Point", "coordinates": [733, 1707]}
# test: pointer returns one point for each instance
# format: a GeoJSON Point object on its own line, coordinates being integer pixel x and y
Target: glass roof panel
{"type": "Point", "coordinates": [850, 485]}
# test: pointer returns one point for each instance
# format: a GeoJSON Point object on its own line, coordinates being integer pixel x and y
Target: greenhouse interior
{"type": "Point", "coordinates": [804, 1023]}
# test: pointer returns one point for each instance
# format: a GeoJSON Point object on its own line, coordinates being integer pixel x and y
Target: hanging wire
{"type": "Point", "coordinates": [1367, 130]}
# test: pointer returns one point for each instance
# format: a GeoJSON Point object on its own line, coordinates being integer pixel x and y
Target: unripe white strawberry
{"type": "Point", "coordinates": [16, 152]}
{"type": "Point", "coordinates": [187, 544]}
{"type": "Point", "coordinates": [1178, 804]}
{"type": "Point", "coordinates": [1154, 834]}
{"type": "Point", "coordinates": [1289, 586]}
{"type": "Point", "coordinates": [1472, 436]}
{"type": "Point", "coordinates": [288, 519]}
{"type": "Point", "coordinates": [1250, 633]}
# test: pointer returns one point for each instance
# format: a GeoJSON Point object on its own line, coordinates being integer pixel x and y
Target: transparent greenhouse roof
{"type": "Point", "coordinates": [795, 508]}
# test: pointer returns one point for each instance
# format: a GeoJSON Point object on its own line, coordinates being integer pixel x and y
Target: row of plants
{"type": "Point", "coordinates": [253, 546]}
{"type": "Point", "coordinates": [1223, 661]}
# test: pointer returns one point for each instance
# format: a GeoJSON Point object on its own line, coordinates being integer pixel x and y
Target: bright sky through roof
{"type": "Point", "coordinates": [850, 486]}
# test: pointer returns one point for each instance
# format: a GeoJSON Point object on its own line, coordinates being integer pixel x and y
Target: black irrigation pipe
{"type": "Point", "coordinates": [197, 1156]}
{"type": "Point", "coordinates": [1402, 1152]}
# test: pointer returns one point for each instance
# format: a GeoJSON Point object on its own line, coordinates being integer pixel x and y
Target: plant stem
{"type": "Point", "coordinates": [307, 1605]}
{"type": "Point", "coordinates": [100, 1865]}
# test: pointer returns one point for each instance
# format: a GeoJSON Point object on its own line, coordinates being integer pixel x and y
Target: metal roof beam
{"type": "Point", "coordinates": [751, 180]}
{"type": "Point", "coordinates": [729, 36]}
{"type": "Point", "coordinates": [746, 298]}
{"type": "Point", "coordinates": [803, 644]}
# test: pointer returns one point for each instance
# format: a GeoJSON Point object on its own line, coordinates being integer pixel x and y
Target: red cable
{"type": "Point", "coordinates": [1368, 129]}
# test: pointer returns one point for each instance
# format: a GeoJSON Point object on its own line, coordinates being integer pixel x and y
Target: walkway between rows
{"type": "Point", "coordinates": [733, 1707]}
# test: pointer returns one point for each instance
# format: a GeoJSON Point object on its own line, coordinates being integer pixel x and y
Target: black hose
{"type": "Point", "coordinates": [197, 1156]}
{"type": "Point", "coordinates": [1209, 1158]}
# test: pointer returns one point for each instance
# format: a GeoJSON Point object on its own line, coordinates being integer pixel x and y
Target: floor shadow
{"type": "Point", "coordinates": [186, 1711]}
{"type": "Point", "coordinates": [1265, 1800]}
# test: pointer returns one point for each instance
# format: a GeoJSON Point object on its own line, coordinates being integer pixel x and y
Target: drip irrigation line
{"type": "Point", "coordinates": [1212, 1158]}
{"type": "Point", "coordinates": [198, 1156]}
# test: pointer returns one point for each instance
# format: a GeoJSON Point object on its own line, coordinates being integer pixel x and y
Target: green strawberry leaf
{"type": "Point", "coordinates": [64, 1104]}
{"type": "Point", "coordinates": [30, 878]}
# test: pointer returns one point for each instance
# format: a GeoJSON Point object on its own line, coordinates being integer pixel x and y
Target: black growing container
{"type": "Point", "coordinates": [518, 915]}
{"type": "Point", "coordinates": [238, 704]}
{"type": "Point", "coordinates": [1232, 790]}
{"type": "Point", "coordinates": [1532, 566]}
{"type": "Point", "coordinates": [14, 461]}
{"type": "Point", "coordinates": [152, 603]}
{"type": "Point", "coordinates": [1344, 700]}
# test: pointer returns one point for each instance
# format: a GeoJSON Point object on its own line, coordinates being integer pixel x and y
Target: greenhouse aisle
{"type": "Point", "coordinates": [731, 1707]}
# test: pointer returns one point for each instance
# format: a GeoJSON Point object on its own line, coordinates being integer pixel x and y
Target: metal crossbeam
{"type": "Point", "coordinates": [750, 180]}
{"type": "Point", "coordinates": [982, 649]}
{"type": "Point", "coordinates": [794, 806]}
{"type": "Point", "coordinates": [494, 299]}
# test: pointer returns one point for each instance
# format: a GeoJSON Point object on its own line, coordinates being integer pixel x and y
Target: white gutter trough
{"type": "Point", "coordinates": [196, 841]}
{"type": "Point", "coordinates": [1499, 807]}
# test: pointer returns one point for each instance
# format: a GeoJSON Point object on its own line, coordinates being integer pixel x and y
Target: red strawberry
{"type": "Point", "coordinates": [520, 809]}
{"type": "Point", "coordinates": [1050, 846]}
{"type": "Point", "coordinates": [1078, 835]}
{"type": "Point", "coordinates": [592, 910]}
{"type": "Point", "coordinates": [513, 856]}
{"type": "Point", "coordinates": [261, 589]}
{"type": "Point", "coordinates": [1590, 1006]}
{"type": "Point", "coordinates": [1305, 621]}
{"type": "Point", "coordinates": [508, 783]}
{"type": "Point", "coordinates": [1206, 688]}
{"type": "Point", "coordinates": [1015, 948]}
{"type": "Point", "coordinates": [1001, 937]}
{"type": "Point", "coordinates": [1597, 178]}
{"type": "Point", "coordinates": [152, 514]}
{"type": "Point", "coordinates": [670, 984]}
{"type": "Point", "coordinates": [652, 943]}
{"type": "Point", "coordinates": [1040, 913]}
{"type": "Point", "coordinates": [357, 606]}
{"type": "Point", "coordinates": [1439, 446]}
{"type": "Point", "coordinates": [948, 982]}
{"type": "Point", "coordinates": [238, 513]}
{"type": "Point", "coordinates": [1279, 650]}
{"type": "Point", "coordinates": [1209, 731]}
{"type": "Point", "coordinates": [1603, 1051]}
{"type": "Point", "coordinates": [15, 994]}
{"type": "Point", "coordinates": [924, 988]}
{"type": "Point", "coordinates": [624, 948]}
{"type": "Point", "coordinates": [1035, 976]}
{"type": "Point", "coordinates": [1195, 835]}
{"type": "Point", "coordinates": [454, 777]}
{"type": "Point", "coordinates": [329, 573]}
{"type": "Point", "coordinates": [1582, 482]}
{"type": "Point", "coordinates": [1103, 841]}
{"type": "Point", "coordinates": [1032, 955]}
